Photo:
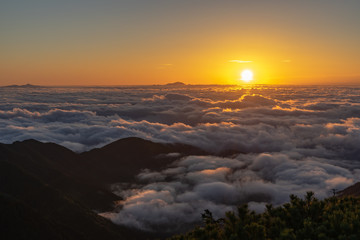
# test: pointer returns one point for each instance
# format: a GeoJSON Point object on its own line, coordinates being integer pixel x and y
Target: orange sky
{"type": "Point", "coordinates": [196, 42]}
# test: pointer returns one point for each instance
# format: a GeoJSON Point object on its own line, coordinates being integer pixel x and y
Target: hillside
{"type": "Point", "coordinates": [40, 210]}
{"type": "Point", "coordinates": [353, 190]}
{"type": "Point", "coordinates": [51, 192]}
{"type": "Point", "coordinates": [122, 159]}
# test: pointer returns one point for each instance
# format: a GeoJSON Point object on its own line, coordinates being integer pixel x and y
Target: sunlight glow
{"type": "Point", "coordinates": [247, 75]}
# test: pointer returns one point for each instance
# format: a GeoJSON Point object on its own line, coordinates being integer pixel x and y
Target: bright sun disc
{"type": "Point", "coordinates": [247, 75]}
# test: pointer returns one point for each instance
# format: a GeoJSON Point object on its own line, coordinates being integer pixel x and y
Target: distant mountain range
{"type": "Point", "coordinates": [50, 192]}
{"type": "Point", "coordinates": [22, 86]}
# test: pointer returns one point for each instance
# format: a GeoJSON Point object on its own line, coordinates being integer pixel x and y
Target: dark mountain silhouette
{"type": "Point", "coordinates": [49, 192]}
{"type": "Point", "coordinates": [121, 160]}
{"type": "Point", "coordinates": [59, 167]}
{"type": "Point", "coordinates": [32, 209]}
{"type": "Point", "coordinates": [22, 86]}
{"type": "Point", "coordinates": [353, 190]}
{"type": "Point", "coordinates": [176, 84]}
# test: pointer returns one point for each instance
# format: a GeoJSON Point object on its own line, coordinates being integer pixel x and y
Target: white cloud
{"type": "Point", "coordinates": [220, 184]}
{"type": "Point", "coordinates": [293, 139]}
{"type": "Point", "coordinates": [240, 61]}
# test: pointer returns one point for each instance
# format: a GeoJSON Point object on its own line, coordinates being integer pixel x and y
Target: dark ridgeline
{"type": "Point", "coordinates": [353, 190]}
{"type": "Point", "coordinates": [50, 192]}
{"type": "Point", "coordinates": [21, 86]}
{"type": "Point", "coordinates": [123, 159]}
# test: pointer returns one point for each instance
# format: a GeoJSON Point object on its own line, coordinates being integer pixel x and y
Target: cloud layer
{"type": "Point", "coordinates": [180, 193]}
{"type": "Point", "coordinates": [290, 140]}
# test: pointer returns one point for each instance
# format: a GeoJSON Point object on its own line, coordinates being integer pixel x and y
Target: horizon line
{"type": "Point", "coordinates": [181, 84]}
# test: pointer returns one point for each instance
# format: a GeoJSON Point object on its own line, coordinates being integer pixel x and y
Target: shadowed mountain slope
{"type": "Point", "coordinates": [32, 209]}
{"type": "Point", "coordinates": [353, 190]}
{"type": "Point", "coordinates": [50, 192]}
{"type": "Point", "coordinates": [58, 167]}
{"type": "Point", "coordinates": [126, 157]}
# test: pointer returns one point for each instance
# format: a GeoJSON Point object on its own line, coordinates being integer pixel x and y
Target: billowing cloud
{"type": "Point", "coordinates": [196, 183]}
{"type": "Point", "coordinates": [278, 141]}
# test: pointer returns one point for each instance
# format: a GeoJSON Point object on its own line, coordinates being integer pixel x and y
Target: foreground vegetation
{"type": "Point", "coordinates": [308, 218]}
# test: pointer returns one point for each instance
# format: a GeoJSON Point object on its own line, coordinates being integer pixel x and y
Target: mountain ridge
{"type": "Point", "coordinates": [51, 184]}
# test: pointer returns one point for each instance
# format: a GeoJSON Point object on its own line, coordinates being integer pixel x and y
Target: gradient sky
{"type": "Point", "coordinates": [108, 42]}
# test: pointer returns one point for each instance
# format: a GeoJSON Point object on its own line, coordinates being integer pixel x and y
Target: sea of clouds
{"type": "Point", "coordinates": [289, 140]}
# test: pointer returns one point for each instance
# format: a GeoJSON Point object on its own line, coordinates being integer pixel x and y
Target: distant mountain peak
{"type": "Point", "coordinates": [176, 84]}
{"type": "Point", "coordinates": [22, 86]}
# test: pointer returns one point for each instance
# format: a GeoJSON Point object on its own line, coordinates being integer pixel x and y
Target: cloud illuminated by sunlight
{"type": "Point", "coordinates": [240, 61]}
{"type": "Point", "coordinates": [165, 65]}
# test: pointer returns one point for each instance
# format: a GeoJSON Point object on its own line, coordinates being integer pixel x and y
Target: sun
{"type": "Point", "coordinates": [247, 75]}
